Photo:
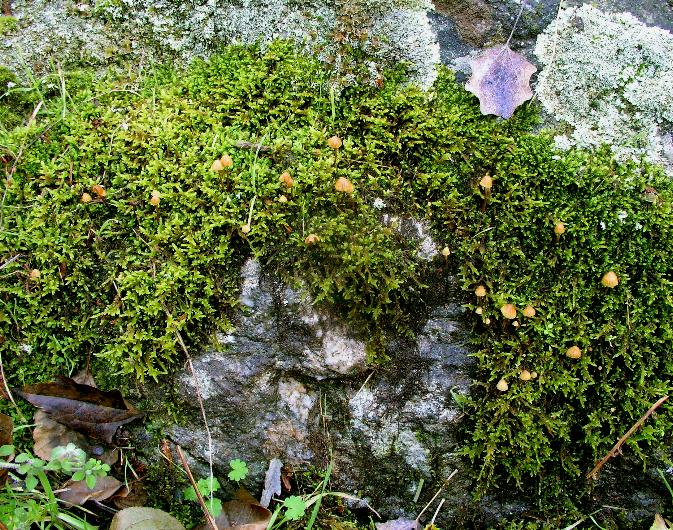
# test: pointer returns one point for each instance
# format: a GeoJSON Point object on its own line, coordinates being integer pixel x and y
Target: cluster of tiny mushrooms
{"type": "Point", "coordinates": [509, 311]}
{"type": "Point", "coordinates": [343, 185]}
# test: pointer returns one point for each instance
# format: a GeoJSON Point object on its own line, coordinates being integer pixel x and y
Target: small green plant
{"type": "Point", "coordinates": [207, 486]}
{"type": "Point", "coordinates": [31, 499]}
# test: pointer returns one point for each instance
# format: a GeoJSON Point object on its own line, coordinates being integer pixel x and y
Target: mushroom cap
{"type": "Point", "coordinates": [574, 352]}
{"type": "Point", "coordinates": [502, 385]}
{"type": "Point", "coordinates": [508, 311]}
{"type": "Point", "coordinates": [86, 198]}
{"type": "Point", "coordinates": [525, 375]}
{"type": "Point", "coordinates": [610, 279]}
{"type": "Point", "coordinates": [311, 239]}
{"type": "Point", "coordinates": [559, 228]}
{"type": "Point", "coordinates": [486, 182]}
{"type": "Point", "coordinates": [334, 142]}
{"type": "Point", "coordinates": [34, 274]}
{"type": "Point", "coordinates": [344, 185]}
{"type": "Point", "coordinates": [286, 179]}
{"type": "Point", "coordinates": [282, 198]}
{"type": "Point", "coordinates": [155, 198]}
{"type": "Point", "coordinates": [246, 228]}
{"type": "Point", "coordinates": [479, 310]}
{"type": "Point", "coordinates": [480, 291]}
{"type": "Point", "coordinates": [217, 166]}
{"type": "Point", "coordinates": [446, 252]}
{"type": "Point", "coordinates": [99, 190]}
{"type": "Point", "coordinates": [529, 311]}
{"type": "Point", "coordinates": [226, 161]}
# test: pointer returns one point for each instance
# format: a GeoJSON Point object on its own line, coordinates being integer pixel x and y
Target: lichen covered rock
{"type": "Point", "coordinates": [609, 79]}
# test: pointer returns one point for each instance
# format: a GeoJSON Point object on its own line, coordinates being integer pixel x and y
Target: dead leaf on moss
{"type": "Point", "coordinates": [6, 437]}
{"type": "Point", "coordinates": [84, 408]}
{"type": "Point", "coordinates": [49, 434]}
{"type": "Point", "coordinates": [77, 493]}
{"type": "Point", "coordinates": [128, 497]}
{"type": "Point", "coordinates": [144, 519]}
{"type": "Point", "coordinates": [242, 513]}
{"type": "Point", "coordinates": [501, 80]}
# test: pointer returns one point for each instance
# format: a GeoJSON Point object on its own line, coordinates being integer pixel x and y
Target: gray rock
{"type": "Point", "coordinates": [292, 382]}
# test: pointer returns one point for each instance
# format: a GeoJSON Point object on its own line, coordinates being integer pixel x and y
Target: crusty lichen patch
{"type": "Point", "coordinates": [609, 79]}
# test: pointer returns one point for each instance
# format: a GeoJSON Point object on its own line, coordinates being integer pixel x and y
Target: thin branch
{"type": "Point", "coordinates": [6, 8]}
{"type": "Point", "coordinates": [209, 518]}
{"type": "Point", "coordinates": [197, 389]}
{"type": "Point", "coordinates": [617, 447]}
{"type": "Point", "coordinates": [6, 388]}
{"type": "Point", "coordinates": [436, 494]}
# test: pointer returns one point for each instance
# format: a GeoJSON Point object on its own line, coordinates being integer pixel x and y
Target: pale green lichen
{"type": "Point", "coordinates": [609, 78]}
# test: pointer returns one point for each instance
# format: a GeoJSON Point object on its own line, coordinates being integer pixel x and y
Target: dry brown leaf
{"type": "Point", "coordinates": [49, 434]}
{"type": "Point", "coordinates": [144, 519]}
{"type": "Point", "coordinates": [82, 407]}
{"type": "Point", "coordinates": [77, 493]}
{"type": "Point", "coordinates": [128, 497]}
{"type": "Point", "coordinates": [6, 437]}
{"type": "Point", "coordinates": [84, 377]}
{"type": "Point", "coordinates": [501, 80]}
{"type": "Point", "coordinates": [242, 513]}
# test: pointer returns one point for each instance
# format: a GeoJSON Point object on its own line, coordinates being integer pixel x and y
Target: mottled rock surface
{"type": "Point", "coordinates": [292, 382]}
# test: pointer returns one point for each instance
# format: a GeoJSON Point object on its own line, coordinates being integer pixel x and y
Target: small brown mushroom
{"type": "Point", "coordinates": [99, 191]}
{"type": "Point", "coordinates": [610, 280]}
{"type": "Point", "coordinates": [286, 179]}
{"type": "Point", "coordinates": [559, 228]}
{"type": "Point", "coordinates": [486, 182]}
{"type": "Point", "coordinates": [86, 198]}
{"type": "Point", "coordinates": [529, 311]}
{"type": "Point", "coordinates": [508, 311]}
{"type": "Point", "coordinates": [155, 198]}
{"type": "Point", "coordinates": [502, 385]}
{"type": "Point", "coordinates": [226, 161]}
{"type": "Point", "coordinates": [334, 142]}
{"type": "Point", "coordinates": [344, 185]}
{"type": "Point", "coordinates": [480, 291]}
{"type": "Point", "coordinates": [574, 352]}
{"type": "Point", "coordinates": [311, 239]}
{"type": "Point", "coordinates": [525, 375]}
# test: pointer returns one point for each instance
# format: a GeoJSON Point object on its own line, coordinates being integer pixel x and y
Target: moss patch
{"type": "Point", "coordinates": [118, 276]}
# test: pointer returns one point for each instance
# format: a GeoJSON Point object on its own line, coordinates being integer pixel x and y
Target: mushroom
{"type": "Point", "coordinates": [217, 166]}
{"type": "Point", "coordinates": [574, 352]}
{"type": "Point", "coordinates": [559, 229]}
{"type": "Point", "coordinates": [344, 185]}
{"type": "Point", "coordinates": [226, 161]}
{"type": "Point", "coordinates": [286, 179]}
{"type": "Point", "coordinates": [35, 274]}
{"type": "Point", "coordinates": [525, 375]}
{"type": "Point", "coordinates": [529, 311]}
{"type": "Point", "coordinates": [86, 198]}
{"type": "Point", "coordinates": [155, 198]}
{"type": "Point", "coordinates": [502, 385]}
{"type": "Point", "coordinates": [311, 239]}
{"type": "Point", "coordinates": [610, 280]}
{"type": "Point", "coordinates": [508, 311]}
{"type": "Point", "coordinates": [486, 182]}
{"type": "Point", "coordinates": [334, 142]}
{"type": "Point", "coordinates": [480, 291]}
{"type": "Point", "coordinates": [246, 228]}
{"type": "Point", "coordinates": [99, 190]}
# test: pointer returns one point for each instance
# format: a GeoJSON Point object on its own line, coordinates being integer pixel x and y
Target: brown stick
{"type": "Point", "coordinates": [6, 8]}
{"type": "Point", "coordinates": [209, 518]}
{"type": "Point", "coordinates": [617, 447]}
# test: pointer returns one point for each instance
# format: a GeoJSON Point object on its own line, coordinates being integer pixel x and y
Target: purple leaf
{"type": "Point", "coordinates": [501, 80]}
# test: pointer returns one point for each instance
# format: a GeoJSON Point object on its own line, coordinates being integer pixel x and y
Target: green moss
{"type": "Point", "coordinates": [8, 25]}
{"type": "Point", "coordinates": [120, 277]}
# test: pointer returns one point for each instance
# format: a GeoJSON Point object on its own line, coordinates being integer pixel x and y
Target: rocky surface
{"type": "Point", "coordinates": [292, 382]}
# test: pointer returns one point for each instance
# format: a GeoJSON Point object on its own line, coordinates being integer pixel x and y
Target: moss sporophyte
{"type": "Point", "coordinates": [116, 275]}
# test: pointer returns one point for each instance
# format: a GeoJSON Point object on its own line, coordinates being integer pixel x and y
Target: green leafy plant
{"type": "Point", "coordinates": [32, 500]}
{"type": "Point", "coordinates": [239, 470]}
{"type": "Point", "coordinates": [207, 486]}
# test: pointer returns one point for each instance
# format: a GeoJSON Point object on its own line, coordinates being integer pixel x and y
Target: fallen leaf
{"type": "Point", "coordinates": [399, 524]}
{"type": "Point", "coordinates": [77, 493]}
{"type": "Point", "coordinates": [242, 513]}
{"type": "Point", "coordinates": [501, 80]}
{"type": "Point", "coordinates": [659, 523]}
{"type": "Point", "coordinates": [6, 430]}
{"type": "Point", "coordinates": [133, 495]}
{"type": "Point", "coordinates": [271, 482]}
{"type": "Point", "coordinates": [84, 377]}
{"type": "Point", "coordinates": [144, 519]}
{"type": "Point", "coordinates": [82, 407]}
{"type": "Point", "coordinates": [49, 434]}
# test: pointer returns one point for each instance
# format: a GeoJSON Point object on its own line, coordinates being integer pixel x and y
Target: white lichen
{"type": "Point", "coordinates": [609, 79]}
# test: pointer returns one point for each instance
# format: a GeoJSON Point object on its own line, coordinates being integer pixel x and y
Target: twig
{"type": "Point", "coordinates": [516, 22]}
{"type": "Point", "coordinates": [209, 517]}
{"type": "Point", "coordinates": [432, 521]}
{"type": "Point", "coordinates": [6, 8]}
{"type": "Point", "coordinates": [203, 410]}
{"type": "Point", "coordinates": [617, 447]}
{"type": "Point", "coordinates": [436, 494]}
